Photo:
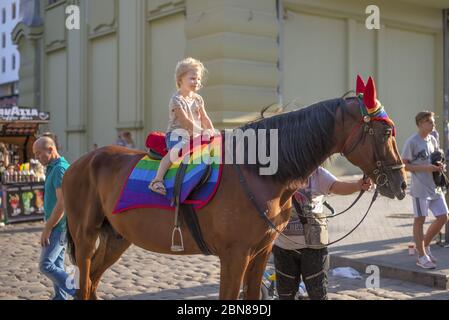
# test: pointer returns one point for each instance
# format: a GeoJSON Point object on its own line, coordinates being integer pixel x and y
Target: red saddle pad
{"type": "Point", "coordinates": [156, 142]}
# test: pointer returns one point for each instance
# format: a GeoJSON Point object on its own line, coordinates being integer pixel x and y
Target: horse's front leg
{"type": "Point", "coordinates": [233, 267]}
{"type": "Point", "coordinates": [254, 274]}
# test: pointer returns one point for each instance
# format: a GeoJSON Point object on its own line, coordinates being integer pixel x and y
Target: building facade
{"type": "Point", "coordinates": [9, 55]}
{"type": "Point", "coordinates": [116, 72]}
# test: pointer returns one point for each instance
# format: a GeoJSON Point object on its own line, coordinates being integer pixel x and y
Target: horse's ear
{"type": "Point", "coordinates": [360, 85]}
{"type": "Point", "coordinates": [370, 95]}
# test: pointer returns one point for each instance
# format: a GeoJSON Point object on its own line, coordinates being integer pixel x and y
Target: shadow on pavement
{"type": "Point", "coordinates": [205, 292]}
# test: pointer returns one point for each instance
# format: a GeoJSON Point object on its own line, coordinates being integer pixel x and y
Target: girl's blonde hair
{"type": "Point", "coordinates": [186, 65]}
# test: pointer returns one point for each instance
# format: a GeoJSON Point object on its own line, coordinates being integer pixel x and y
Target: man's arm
{"type": "Point", "coordinates": [55, 217]}
{"type": "Point", "coordinates": [421, 167]}
{"type": "Point", "coordinates": [344, 188]}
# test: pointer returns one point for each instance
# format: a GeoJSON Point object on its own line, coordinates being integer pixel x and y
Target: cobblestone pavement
{"type": "Point", "coordinates": [144, 275]}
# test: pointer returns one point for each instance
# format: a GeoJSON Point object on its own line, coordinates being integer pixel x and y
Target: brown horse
{"type": "Point", "coordinates": [231, 225]}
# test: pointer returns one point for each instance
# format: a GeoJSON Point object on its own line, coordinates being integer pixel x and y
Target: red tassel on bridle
{"type": "Point", "coordinates": [360, 86]}
{"type": "Point", "coordinates": [370, 96]}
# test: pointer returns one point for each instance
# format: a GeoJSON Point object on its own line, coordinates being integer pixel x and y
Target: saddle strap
{"type": "Point", "coordinates": [179, 178]}
{"type": "Point", "coordinates": [186, 212]}
{"type": "Point", "coordinates": [189, 215]}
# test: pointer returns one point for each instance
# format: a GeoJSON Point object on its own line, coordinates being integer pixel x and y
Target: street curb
{"type": "Point", "coordinates": [431, 278]}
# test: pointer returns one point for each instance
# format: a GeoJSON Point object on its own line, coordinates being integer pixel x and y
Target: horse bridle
{"type": "Point", "coordinates": [382, 171]}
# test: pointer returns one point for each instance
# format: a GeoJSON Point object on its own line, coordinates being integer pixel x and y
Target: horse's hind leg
{"type": "Point", "coordinates": [108, 252]}
{"type": "Point", "coordinates": [254, 274]}
{"type": "Point", "coordinates": [233, 266]}
{"type": "Point", "coordinates": [85, 248]}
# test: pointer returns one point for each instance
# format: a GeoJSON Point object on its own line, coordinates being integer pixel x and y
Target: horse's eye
{"type": "Point", "coordinates": [388, 133]}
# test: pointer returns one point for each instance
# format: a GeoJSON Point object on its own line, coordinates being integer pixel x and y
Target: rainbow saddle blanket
{"type": "Point", "coordinates": [199, 185]}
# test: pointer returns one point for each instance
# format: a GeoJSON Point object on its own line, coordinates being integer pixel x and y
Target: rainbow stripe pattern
{"type": "Point", "coordinates": [379, 114]}
{"type": "Point", "coordinates": [135, 193]}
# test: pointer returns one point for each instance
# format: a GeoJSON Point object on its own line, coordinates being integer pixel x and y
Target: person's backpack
{"type": "Point", "coordinates": [440, 178]}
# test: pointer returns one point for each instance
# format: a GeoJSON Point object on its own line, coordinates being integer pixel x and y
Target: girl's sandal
{"type": "Point", "coordinates": [158, 187]}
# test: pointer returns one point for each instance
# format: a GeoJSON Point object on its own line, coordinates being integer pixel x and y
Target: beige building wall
{"type": "Point", "coordinates": [237, 40]}
{"type": "Point", "coordinates": [167, 44]}
{"type": "Point", "coordinates": [327, 45]}
{"type": "Point", "coordinates": [116, 73]}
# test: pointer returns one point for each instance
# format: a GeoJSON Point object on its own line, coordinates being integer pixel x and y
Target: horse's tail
{"type": "Point", "coordinates": [71, 247]}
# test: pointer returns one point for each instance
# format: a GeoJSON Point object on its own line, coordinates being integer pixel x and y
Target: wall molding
{"type": "Point", "coordinates": [55, 46]}
{"type": "Point", "coordinates": [76, 129]}
{"type": "Point", "coordinates": [166, 9]}
{"type": "Point", "coordinates": [132, 125]}
{"type": "Point", "coordinates": [30, 33]}
{"type": "Point", "coordinates": [105, 28]}
{"type": "Point", "coordinates": [54, 5]}
{"type": "Point", "coordinates": [99, 34]}
{"type": "Point", "coordinates": [293, 8]}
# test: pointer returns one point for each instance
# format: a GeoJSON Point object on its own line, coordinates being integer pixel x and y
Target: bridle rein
{"type": "Point", "coordinates": [381, 172]}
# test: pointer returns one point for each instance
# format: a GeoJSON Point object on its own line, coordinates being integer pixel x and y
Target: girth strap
{"type": "Point", "coordinates": [190, 217]}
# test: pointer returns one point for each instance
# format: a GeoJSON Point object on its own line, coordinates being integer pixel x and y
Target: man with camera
{"type": "Point", "coordinates": [417, 156]}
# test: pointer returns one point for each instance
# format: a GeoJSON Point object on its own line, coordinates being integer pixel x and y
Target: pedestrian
{"type": "Point", "coordinates": [307, 257]}
{"type": "Point", "coordinates": [436, 135]}
{"type": "Point", "coordinates": [128, 140]}
{"type": "Point", "coordinates": [187, 116]}
{"type": "Point", "coordinates": [53, 239]}
{"type": "Point", "coordinates": [52, 136]}
{"type": "Point", "coordinates": [425, 194]}
{"type": "Point", "coordinates": [4, 154]}
{"type": "Point", "coordinates": [120, 141]}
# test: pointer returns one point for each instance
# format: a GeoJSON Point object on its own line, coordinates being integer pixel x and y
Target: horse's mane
{"type": "Point", "coordinates": [305, 139]}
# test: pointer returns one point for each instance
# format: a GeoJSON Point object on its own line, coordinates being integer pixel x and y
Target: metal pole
{"type": "Point", "coordinates": [446, 93]}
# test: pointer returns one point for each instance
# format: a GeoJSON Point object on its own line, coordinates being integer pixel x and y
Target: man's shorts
{"type": "Point", "coordinates": [421, 207]}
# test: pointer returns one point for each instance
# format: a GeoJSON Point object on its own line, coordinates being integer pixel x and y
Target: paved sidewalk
{"type": "Point", "coordinates": [143, 275]}
{"type": "Point", "coordinates": [382, 240]}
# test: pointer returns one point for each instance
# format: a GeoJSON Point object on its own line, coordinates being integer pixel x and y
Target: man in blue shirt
{"type": "Point", "coordinates": [53, 238]}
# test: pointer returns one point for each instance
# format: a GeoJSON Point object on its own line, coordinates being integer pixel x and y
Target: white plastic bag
{"type": "Point", "coordinates": [302, 290]}
{"type": "Point", "coordinates": [346, 272]}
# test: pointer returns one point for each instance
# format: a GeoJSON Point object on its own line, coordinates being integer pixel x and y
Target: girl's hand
{"type": "Point", "coordinates": [207, 134]}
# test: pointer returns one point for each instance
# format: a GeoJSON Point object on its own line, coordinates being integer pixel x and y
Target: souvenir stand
{"type": "Point", "coordinates": [22, 177]}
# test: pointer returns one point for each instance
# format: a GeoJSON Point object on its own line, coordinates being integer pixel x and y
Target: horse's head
{"type": "Point", "coordinates": [370, 142]}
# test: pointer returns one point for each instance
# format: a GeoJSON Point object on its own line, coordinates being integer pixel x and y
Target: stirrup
{"type": "Point", "coordinates": [176, 248]}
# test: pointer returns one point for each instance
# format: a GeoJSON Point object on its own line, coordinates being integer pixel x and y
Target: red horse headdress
{"type": "Point", "coordinates": [373, 106]}
{"type": "Point", "coordinates": [369, 94]}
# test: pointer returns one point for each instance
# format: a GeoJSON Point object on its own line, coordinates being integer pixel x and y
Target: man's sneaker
{"type": "Point", "coordinates": [425, 263]}
{"type": "Point", "coordinates": [430, 255]}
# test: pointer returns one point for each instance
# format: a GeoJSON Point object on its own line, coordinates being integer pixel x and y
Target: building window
{"type": "Point", "coordinates": [13, 62]}
{"type": "Point", "coordinates": [3, 40]}
{"type": "Point", "coordinates": [3, 65]}
{"type": "Point", "coordinates": [3, 15]}
{"type": "Point", "coordinates": [14, 7]}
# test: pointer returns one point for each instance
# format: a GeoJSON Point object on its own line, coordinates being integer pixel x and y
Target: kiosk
{"type": "Point", "coordinates": [22, 180]}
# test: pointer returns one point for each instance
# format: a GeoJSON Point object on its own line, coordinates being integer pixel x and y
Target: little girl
{"type": "Point", "coordinates": [186, 115]}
